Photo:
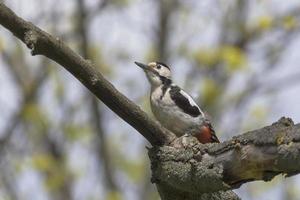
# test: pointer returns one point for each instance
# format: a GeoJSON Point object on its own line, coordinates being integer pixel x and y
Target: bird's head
{"type": "Point", "coordinates": [157, 73]}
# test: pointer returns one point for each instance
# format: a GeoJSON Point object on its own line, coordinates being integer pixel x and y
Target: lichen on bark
{"type": "Point", "coordinates": [192, 169]}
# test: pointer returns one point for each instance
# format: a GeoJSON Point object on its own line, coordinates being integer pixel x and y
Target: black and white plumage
{"type": "Point", "coordinates": [184, 101]}
{"type": "Point", "coordinates": [173, 107]}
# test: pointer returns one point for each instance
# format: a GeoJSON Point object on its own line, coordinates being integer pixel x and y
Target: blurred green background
{"type": "Point", "coordinates": [238, 58]}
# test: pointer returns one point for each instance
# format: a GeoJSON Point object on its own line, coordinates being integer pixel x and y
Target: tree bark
{"type": "Point", "coordinates": [190, 171]}
{"type": "Point", "coordinates": [182, 168]}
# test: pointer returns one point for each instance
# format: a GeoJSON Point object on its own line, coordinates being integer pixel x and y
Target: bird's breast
{"type": "Point", "coordinates": [170, 115]}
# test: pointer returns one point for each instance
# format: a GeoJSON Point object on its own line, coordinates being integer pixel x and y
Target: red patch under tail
{"type": "Point", "coordinates": [207, 134]}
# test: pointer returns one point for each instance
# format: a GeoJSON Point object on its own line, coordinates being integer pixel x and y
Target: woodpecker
{"type": "Point", "coordinates": [173, 107]}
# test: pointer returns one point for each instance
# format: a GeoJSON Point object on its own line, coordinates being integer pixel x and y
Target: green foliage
{"type": "Point", "coordinates": [265, 22]}
{"type": "Point", "coordinates": [151, 54]}
{"type": "Point", "coordinates": [120, 3]}
{"type": "Point", "coordinates": [257, 116]}
{"type": "Point", "coordinates": [219, 65]}
{"type": "Point", "coordinates": [95, 54]}
{"type": "Point", "coordinates": [43, 162]}
{"type": "Point", "coordinates": [2, 44]}
{"type": "Point", "coordinates": [233, 57]}
{"type": "Point", "coordinates": [53, 169]}
{"type": "Point", "coordinates": [133, 168]}
{"type": "Point", "coordinates": [36, 116]}
{"type": "Point", "coordinates": [59, 88]}
{"type": "Point", "coordinates": [75, 132]}
{"type": "Point", "coordinates": [207, 57]}
{"type": "Point", "coordinates": [289, 22]}
{"type": "Point", "coordinates": [210, 92]}
{"type": "Point", "coordinates": [259, 112]}
{"type": "Point", "coordinates": [113, 195]}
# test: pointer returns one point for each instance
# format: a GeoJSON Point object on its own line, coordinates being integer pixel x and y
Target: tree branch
{"type": "Point", "coordinates": [257, 155]}
{"type": "Point", "coordinates": [186, 169]}
{"type": "Point", "coordinates": [42, 43]}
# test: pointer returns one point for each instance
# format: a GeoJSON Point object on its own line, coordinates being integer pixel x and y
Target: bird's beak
{"type": "Point", "coordinates": [146, 68]}
{"type": "Point", "coordinates": [143, 66]}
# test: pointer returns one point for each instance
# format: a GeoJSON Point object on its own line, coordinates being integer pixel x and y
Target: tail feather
{"type": "Point", "coordinates": [214, 137]}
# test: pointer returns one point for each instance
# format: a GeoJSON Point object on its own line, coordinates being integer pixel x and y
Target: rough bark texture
{"type": "Point", "coordinates": [182, 169]}
{"type": "Point", "coordinates": [192, 169]}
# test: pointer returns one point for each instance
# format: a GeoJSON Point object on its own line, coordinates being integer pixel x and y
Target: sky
{"type": "Point", "coordinates": [119, 29]}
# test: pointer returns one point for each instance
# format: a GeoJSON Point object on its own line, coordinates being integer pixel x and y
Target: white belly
{"type": "Point", "coordinates": [172, 117]}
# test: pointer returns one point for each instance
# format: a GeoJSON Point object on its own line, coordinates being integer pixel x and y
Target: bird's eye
{"type": "Point", "coordinates": [158, 66]}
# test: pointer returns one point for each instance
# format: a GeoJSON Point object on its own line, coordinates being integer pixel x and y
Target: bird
{"type": "Point", "coordinates": [174, 108]}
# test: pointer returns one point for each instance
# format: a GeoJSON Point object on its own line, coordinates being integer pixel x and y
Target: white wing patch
{"type": "Point", "coordinates": [191, 100]}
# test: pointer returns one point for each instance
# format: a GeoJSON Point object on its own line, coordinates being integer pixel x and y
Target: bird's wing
{"type": "Point", "coordinates": [184, 101]}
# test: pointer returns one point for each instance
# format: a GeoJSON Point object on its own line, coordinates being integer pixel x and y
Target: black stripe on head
{"type": "Point", "coordinates": [163, 64]}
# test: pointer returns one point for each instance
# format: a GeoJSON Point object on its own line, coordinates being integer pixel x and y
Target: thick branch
{"type": "Point", "coordinates": [195, 171]}
{"type": "Point", "coordinates": [41, 43]}
{"type": "Point", "coordinates": [256, 155]}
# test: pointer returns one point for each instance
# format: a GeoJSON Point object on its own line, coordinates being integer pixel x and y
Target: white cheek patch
{"type": "Point", "coordinates": [165, 72]}
{"type": "Point", "coordinates": [154, 79]}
